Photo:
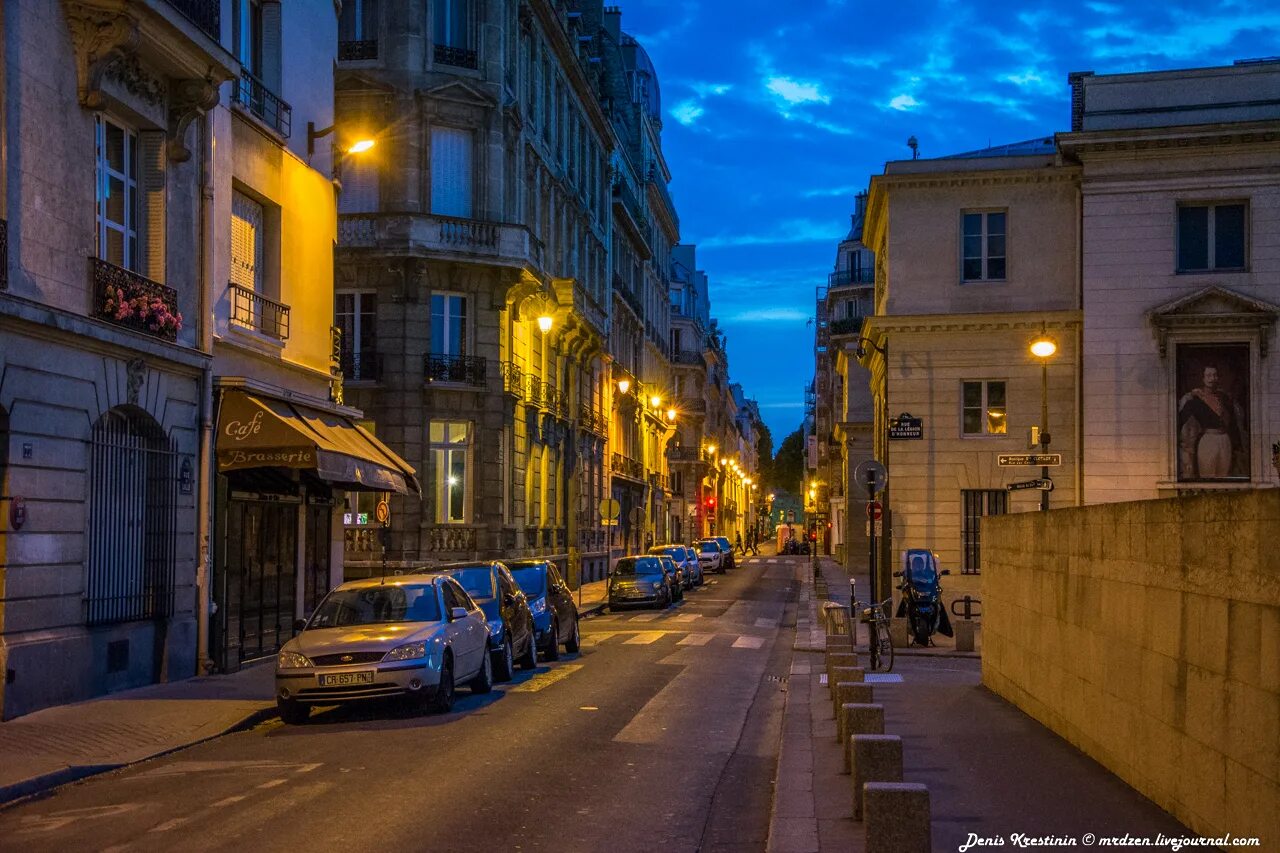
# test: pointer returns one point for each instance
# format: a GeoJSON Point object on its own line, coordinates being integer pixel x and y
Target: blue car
{"type": "Point", "coordinates": [555, 616]}
{"type": "Point", "coordinates": [511, 637]}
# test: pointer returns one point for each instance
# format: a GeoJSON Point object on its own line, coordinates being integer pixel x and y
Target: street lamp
{"type": "Point", "coordinates": [360, 146]}
{"type": "Point", "coordinates": [1043, 348]}
{"type": "Point", "coordinates": [624, 385]}
{"type": "Point", "coordinates": [545, 322]}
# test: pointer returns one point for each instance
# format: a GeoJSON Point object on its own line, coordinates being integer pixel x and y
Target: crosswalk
{"type": "Point", "coordinates": [687, 638]}
{"type": "Point", "coordinates": [685, 619]}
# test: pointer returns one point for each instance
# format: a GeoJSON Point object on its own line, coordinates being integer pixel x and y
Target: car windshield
{"type": "Point", "coordinates": [478, 581]}
{"type": "Point", "coordinates": [375, 605]}
{"type": "Point", "coordinates": [710, 546]}
{"type": "Point", "coordinates": [668, 551]}
{"type": "Point", "coordinates": [532, 579]}
{"type": "Point", "coordinates": [669, 563]}
{"type": "Point", "coordinates": [724, 542]}
{"type": "Point", "coordinates": [638, 566]}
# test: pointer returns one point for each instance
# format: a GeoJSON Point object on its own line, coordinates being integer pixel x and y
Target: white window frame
{"type": "Point", "coordinates": [254, 277]}
{"type": "Point", "coordinates": [444, 454]}
{"type": "Point", "coordinates": [132, 251]}
{"type": "Point", "coordinates": [985, 410]}
{"type": "Point", "coordinates": [985, 237]}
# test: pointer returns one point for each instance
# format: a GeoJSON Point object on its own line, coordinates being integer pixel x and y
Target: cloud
{"type": "Point", "coordinates": [787, 231]}
{"type": "Point", "coordinates": [704, 90]}
{"type": "Point", "coordinates": [796, 91]}
{"type": "Point", "coordinates": [832, 192]}
{"type": "Point", "coordinates": [687, 112]}
{"type": "Point", "coordinates": [903, 103]}
{"type": "Point", "coordinates": [767, 315]}
{"type": "Point", "coordinates": [1192, 38]}
{"type": "Point", "coordinates": [1031, 80]}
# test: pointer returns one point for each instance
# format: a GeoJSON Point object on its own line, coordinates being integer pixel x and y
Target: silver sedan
{"type": "Point", "coordinates": [415, 637]}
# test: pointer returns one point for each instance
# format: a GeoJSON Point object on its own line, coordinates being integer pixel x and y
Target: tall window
{"type": "Point", "coordinates": [449, 23]}
{"type": "Point", "coordinates": [1211, 237]}
{"type": "Point", "coordinates": [246, 242]}
{"type": "Point", "coordinates": [976, 503]}
{"type": "Point", "coordinates": [247, 35]}
{"type": "Point", "coordinates": [449, 324]}
{"type": "Point", "coordinates": [451, 176]}
{"type": "Point", "coordinates": [450, 465]}
{"type": "Point", "coordinates": [983, 409]}
{"type": "Point", "coordinates": [117, 194]}
{"type": "Point", "coordinates": [360, 188]}
{"type": "Point", "coordinates": [358, 21]}
{"type": "Point", "coordinates": [356, 315]}
{"type": "Point", "coordinates": [984, 249]}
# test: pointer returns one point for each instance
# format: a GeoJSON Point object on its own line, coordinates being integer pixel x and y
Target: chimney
{"type": "Point", "coordinates": [1076, 80]}
{"type": "Point", "coordinates": [613, 21]}
{"type": "Point", "coordinates": [860, 203]}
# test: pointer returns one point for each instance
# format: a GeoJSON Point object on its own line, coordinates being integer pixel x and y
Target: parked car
{"type": "Point", "coordinates": [511, 634]}
{"type": "Point", "coordinates": [414, 636]}
{"type": "Point", "coordinates": [639, 580]}
{"type": "Point", "coordinates": [727, 547]}
{"type": "Point", "coordinates": [685, 559]}
{"type": "Point", "coordinates": [675, 575]}
{"type": "Point", "coordinates": [555, 616]}
{"type": "Point", "coordinates": [711, 555]}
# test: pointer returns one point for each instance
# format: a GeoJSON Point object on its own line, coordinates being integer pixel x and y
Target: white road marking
{"type": "Point", "coordinates": [644, 617]}
{"type": "Point", "coordinates": [696, 639]}
{"type": "Point", "coordinates": [171, 824]}
{"type": "Point", "coordinates": [645, 638]}
{"type": "Point", "coordinates": [745, 642]}
{"type": "Point", "coordinates": [228, 801]}
{"type": "Point", "coordinates": [597, 639]}
{"type": "Point", "coordinates": [883, 677]}
{"type": "Point", "coordinates": [771, 560]}
{"type": "Point", "coordinates": [57, 820]}
{"type": "Point", "coordinates": [273, 783]}
{"type": "Point", "coordinates": [686, 617]}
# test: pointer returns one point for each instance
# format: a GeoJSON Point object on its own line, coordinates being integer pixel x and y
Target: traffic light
{"type": "Point", "coordinates": [711, 503]}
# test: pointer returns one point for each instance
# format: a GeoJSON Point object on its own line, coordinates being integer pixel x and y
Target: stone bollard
{"type": "Point", "coordinates": [850, 692]}
{"type": "Point", "coordinates": [839, 642]}
{"type": "Point", "coordinates": [964, 634]}
{"type": "Point", "coordinates": [875, 758]}
{"type": "Point", "coordinates": [857, 719]}
{"type": "Point", "coordinates": [839, 674]}
{"type": "Point", "coordinates": [896, 817]}
{"type": "Point", "coordinates": [835, 659]}
{"type": "Point", "coordinates": [899, 631]}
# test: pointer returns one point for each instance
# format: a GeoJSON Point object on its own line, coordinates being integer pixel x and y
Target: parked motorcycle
{"type": "Point", "coordinates": [921, 600]}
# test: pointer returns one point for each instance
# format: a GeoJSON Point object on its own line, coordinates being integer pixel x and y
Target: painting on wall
{"type": "Point", "coordinates": [1213, 411]}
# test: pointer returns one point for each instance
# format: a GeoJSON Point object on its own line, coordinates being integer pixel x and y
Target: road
{"type": "Point", "coordinates": [661, 735]}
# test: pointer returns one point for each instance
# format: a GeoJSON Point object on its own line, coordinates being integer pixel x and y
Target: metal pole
{"type": "Point", "coordinates": [871, 540]}
{"type": "Point", "coordinates": [1044, 429]}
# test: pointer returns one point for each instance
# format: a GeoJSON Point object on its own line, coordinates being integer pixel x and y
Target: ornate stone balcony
{"type": "Point", "coordinates": [444, 237]}
{"type": "Point", "coordinates": [357, 51]}
{"type": "Point", "coordinates": [445, 538]}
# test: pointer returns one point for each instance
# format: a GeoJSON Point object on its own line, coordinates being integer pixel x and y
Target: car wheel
{"type": "Point", "coordinates": [530, 658]}
{"type": "Point", "coordinates": [483, 682]}
{"type": "Point", "coordinates": [574, 644]}
{"type": "Point", "coordinates": [504, 662]}
{"type": "Point", "coordinates": [293, 713]}
{"type": "Point", "coordinates": [552, 651]}
{"type": "Point", "coordinates": [442, 701]}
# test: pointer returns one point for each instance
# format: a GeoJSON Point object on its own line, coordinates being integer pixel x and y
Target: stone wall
{"type": "Point", "coordinates": [1148, 635]}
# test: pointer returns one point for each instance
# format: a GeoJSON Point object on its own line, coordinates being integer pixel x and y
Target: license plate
{"type": "Point", "coordinates": [342, 679]}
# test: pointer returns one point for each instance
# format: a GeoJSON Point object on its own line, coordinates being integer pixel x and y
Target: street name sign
{"type": "Point", "coordinates": [1010, 460]}
{"type": "Point", "coordinates": [906, 428]}
{"type": "Point", "coordinates": [1043, 484]}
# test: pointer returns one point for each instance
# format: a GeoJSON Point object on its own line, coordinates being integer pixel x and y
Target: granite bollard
{"type": "Point", "coordinates": [858, 719]}
{"type": "Point", "coordinates": [875, 758]}
{"type": "Point", "coordinates": [839, 674]}
{"type": "Point", "coordinates": [850, 692]}
{"type": "Point", "coordinates": [964, 634]}
{"type": "Point", "coordinates": [895, 817]}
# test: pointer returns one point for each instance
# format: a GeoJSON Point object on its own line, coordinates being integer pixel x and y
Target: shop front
{"type": "Point", "coordinates": [284, 469]}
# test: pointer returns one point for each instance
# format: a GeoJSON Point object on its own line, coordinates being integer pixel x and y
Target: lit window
{"type": "Point", "coordinates": [450, 466]}
{"type": "Point", "coordinates": [983, 409]}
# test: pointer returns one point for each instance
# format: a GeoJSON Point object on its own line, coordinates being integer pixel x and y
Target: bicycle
{"type": "Point", "coordinates": [879, 645]}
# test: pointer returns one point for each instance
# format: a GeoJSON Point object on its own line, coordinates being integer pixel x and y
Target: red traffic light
{"type": "Point", "coordinates": [711, 502]}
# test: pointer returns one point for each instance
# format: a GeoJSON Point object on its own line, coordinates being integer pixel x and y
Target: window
{"type": "Point", "coordinates": [976, 503]}
{"type": "Point", "coordinates": [452, 596]}
{"type": "Point", "coordinates": [450, 451]}
{"type": "Point", "coordinates": [246, 242]}
{"type": "Point", "coordinates": [1211, 237]}
{"type": "Point", "coordinates": [451, 171]}
{"type": "Point", "coordinates": [983, 409]}
{"type": "Point", "coordinates": [358, 21]}
{"type": "Point", "coordinates": [246, 34]}
{"type": "Point", "coordinates": [117, 193]}
{"type": "Point", "coordinates": [356, 314]}
{"type": "Point", "coordinates": [449, 324]}
{"type": "Point", "coordinates": [449, 24]}
{"type": "Point", "coordinates": [984, 249]}
{"type": "Point", "coordinates": [360, 188]}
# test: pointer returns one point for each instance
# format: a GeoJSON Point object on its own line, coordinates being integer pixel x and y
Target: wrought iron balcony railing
{"type": "Point", "coordinates": [458, 57]}
{"type": "Point", "coordinates": [685, 356]}
{"type": "Point", "coordinates": [513, 379]}
{"type": "Point", "coordinates": [205, 14]}
{"type": "Point", "coordinates": [844, 278]}
{"type": "Point", "coordinates": [683, 454]}
{"type": "Point", "coordinates": [252, 94]}
{"type": "Point", "coordinates": [628, 467]}
{"type": "Point", "coordinates": [458, 369]}
{"type": "Point", "coordinates": [355, 51]}
{"type": "Point", "coordinates": [260, 313]}
{"type": "Point", "coordinates": [847, 326]}
{"type": "Point", "coordinates": [127, 299]}
{"type": "Point", "coordinates": [361, 366]}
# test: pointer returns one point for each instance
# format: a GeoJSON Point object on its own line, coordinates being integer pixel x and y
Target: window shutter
{"type": "Point", "coordinates": [271, 54]}
{"type": "Point", "coordinates": [246, 242]}
{"type": "Point", "coordinates": [151, 186]}
{"type": "Point", "coordinates": [360, 191]}
{"type": "Point", "coordinates": [451, 171]}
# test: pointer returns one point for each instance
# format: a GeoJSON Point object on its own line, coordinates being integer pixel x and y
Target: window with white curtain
{"type": "Point", "coordinates": [117, 193]}
{"type": "Point", "coordinates": [451, 171]}
{"type": "Point", "coordinates": [450, 443]}
{"type": "Point", "coordinates": [246, 242]}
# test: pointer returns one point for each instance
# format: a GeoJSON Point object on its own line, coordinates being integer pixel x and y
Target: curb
{"type": "Point", "coordinates": [10, 794]}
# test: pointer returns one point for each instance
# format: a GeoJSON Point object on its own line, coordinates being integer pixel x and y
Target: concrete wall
{"type": "Point", "coordinates": [1148, 635]}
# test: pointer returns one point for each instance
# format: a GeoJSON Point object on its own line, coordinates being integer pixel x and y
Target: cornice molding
{"type": "Point", "coordinates": [878, 326]}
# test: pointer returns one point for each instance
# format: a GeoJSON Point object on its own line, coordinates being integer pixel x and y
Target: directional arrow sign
{"type": "Point", "coordinates": [1042, 484]}
{"type": "Point", "coordinates": [1008, 460]}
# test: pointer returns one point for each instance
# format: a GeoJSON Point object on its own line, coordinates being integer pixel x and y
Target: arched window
{"type": "Point", "coordinates": [132, 519]}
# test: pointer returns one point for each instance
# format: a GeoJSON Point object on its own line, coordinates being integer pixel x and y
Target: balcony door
{"type": "Point", "coordinates": [451, 172]}
{"type": "Point", "coordinates": [356, 316]}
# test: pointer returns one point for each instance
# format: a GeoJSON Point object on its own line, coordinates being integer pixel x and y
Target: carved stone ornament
{"type": "Point", "coordinates": [98, 38]}
{"type": "Point", "coordinates": [190, 99]}
{"type": "Point", "coordinates": [1216, 309]}
{"type": "Point", "coordinates": [136, 374]}
{"type": "Point", "coordinates": [136, 80]}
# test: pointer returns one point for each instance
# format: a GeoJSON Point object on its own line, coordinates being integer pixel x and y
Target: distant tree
{"type": "Point", "coordinates": [764, 452]}
{"type": "Point", "coordinates": [788, 465]}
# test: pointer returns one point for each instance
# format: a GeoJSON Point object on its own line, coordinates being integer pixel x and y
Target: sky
{"type": "Point", "coordinates": [771, 124]}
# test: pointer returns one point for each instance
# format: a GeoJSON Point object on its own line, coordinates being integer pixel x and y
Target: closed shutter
{"type": "Point", "coordinates": [271, 54]}
{"type": "Point", "coordinates": [451, 171]}
{"type": "Point", "coordinates": [151, 186]}
{"type": "Point", "coordinates": [359, 186]}
{"type": "Point", "coordinates": [246, 242]}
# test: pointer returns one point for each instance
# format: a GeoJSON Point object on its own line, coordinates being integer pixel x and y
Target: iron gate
{"type": "Point", "coordinates": [262, 566]}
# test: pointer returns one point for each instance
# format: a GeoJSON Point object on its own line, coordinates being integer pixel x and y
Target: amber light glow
{"type": "Point", "coordinates": [360, 146]}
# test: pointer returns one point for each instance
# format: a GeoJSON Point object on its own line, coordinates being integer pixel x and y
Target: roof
{"type": "Point", "coordinates": [1039, 145]}
{"type": "Point", "coordinates": [416, 578]}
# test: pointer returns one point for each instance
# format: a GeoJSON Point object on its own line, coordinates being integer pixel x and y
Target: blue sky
{"type": "Point", "coordinates": [772, 123]}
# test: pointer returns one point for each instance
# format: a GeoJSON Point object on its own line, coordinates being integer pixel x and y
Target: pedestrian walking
{"type": "Point", "coordinates": [737, 542]}
{"type": "Point", "coordinates": [754, 540]}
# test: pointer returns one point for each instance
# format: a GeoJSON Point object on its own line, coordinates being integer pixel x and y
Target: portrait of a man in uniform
{"type": "Point", "coordinates": [1213, 412]}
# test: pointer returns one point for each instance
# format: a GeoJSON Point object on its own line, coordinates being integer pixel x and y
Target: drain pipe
{"type": "Point", "coordinates": [204, 506]}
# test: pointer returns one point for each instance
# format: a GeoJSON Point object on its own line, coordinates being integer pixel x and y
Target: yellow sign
{"type": "Point", "coordinates": [382, 513]}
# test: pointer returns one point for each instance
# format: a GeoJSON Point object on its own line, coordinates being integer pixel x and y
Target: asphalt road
{"type": "Point", "coordinates": [661, 735]}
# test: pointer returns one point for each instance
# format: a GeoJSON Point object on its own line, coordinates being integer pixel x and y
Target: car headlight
{"type": "Point", "coordinates": [538, 606]}
{"type": "Point", "coordinates": [409, 651]}
{"type": "Point", "coordinates": [291, 660]}
{"type": "Point", "coordinates": [657, 586]}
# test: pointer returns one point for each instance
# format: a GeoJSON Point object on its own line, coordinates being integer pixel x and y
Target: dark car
{"type": "Point", "coordinates": [555, 616]}
{"type": "Point", "coordinates": [685, 559]}
{"type": "Point", "coordinates": [727, 547]}
{"type": "Point", "coordinates": [675, 574]}
{"type": "Point", "coordinates": [511, 633]}
{"type": "Point", "coordinates": [641, 581]}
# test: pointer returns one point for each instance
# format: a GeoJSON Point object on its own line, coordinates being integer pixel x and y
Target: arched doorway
{"type": "Point", "coordinates": [132, 519]}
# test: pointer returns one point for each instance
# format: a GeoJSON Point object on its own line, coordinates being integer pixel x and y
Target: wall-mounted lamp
{"type": "Point", "coordinates": [358, 147]}
{"type": "Point", "coordinates": [544, 324]}
{"type": "Point", "coordinates": [655, 401]}
{"type": "Point", "coordinates": [624, 385]}
{"type": "Point", "coordinates": [671, 415]}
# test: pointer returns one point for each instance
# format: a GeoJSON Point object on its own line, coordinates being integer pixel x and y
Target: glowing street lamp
{"type": "Point", "coordinates": [360, 146]}
{"type": "Point", "coordinates": [624, 385]}
{"type": "Point", "coordinates": [544, 325]}
{"type": "Point", "coordinates": [1043, 348]}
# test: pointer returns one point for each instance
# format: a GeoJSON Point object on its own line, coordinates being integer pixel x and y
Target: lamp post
{"type": "Point", "coordinates": [874, 572]}
{"type": "Point", "coordinates": [1043, 348]}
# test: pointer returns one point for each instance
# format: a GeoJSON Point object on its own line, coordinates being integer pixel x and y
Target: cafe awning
{"type": "Point", "coordinates": [261, 432]}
